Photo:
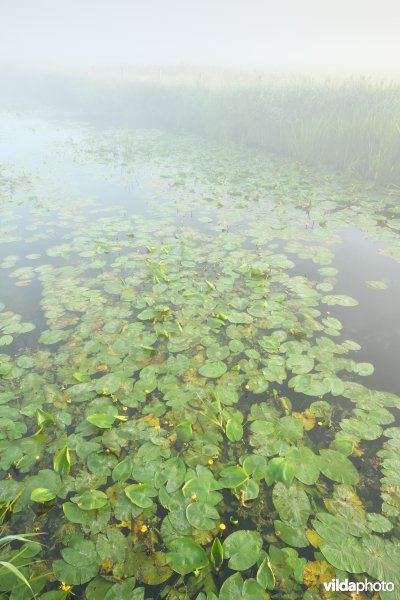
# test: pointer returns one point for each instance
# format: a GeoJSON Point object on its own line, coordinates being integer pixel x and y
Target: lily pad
{"type": "Point", "coordinates": [202, 516]}
{"type": "Point", "coordinates": [243, 549]}
{"type": "Point", "coordinates": [42, 495]}
{"type": "Point", "coordinates": [141, 494]}
{"type": "Point", "coordinates": [213, 369]}
{"type": "Point", "coordinates": [337, 467]}
{"type": "Point", "coordinates": [90, 500]}
{"type": "Point", "coordinates": [186, 556]}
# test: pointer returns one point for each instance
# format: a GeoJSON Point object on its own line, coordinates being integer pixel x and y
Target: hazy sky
{"type": "Point", "coordinates": [273, 34]}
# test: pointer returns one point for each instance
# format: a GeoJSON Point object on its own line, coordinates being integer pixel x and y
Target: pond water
{"type": "Point", "coordinates": [199, 387]}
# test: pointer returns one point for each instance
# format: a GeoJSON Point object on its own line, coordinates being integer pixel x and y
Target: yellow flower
{"type": "Point", "coordinates": [222, 526]}
{"type": "Point", "coordinates": [125, 408]}
{"type": "Point", "coordinates": [65, 588]}
{"type": "Point", "coordinates": [144, 528]}
{"type": "Point", "coordinates": [320, 423]}
{"type": "Point", "coordinates": [37, 457]}
{"type": "Point", "coordinates": [193, 497]}
{"type": "Point", "coordinates": [210, 462]}
{"type": "Point", "coordinates": [157, 427]}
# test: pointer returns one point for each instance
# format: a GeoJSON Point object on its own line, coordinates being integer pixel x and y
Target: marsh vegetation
{"type": "Point", "coordinates": [199, 338]}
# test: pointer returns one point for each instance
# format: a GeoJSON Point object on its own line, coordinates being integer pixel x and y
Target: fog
{"type": "Point", "coordinates": [293, 35]}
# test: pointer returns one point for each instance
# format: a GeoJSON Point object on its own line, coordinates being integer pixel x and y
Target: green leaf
{"type": "Point", "coordinates": [141, 494]}
{"type": "Point", "coordinates": [234, 430]}
{"type": "Point", "coordinates": [74, 575]}
{"type": "Point", "coordinates": [339, 300]}
{"type": "Point", "coordinates": [101, 420]}
{"type": "Point", "coordinates": [337, 467]}
{"type": "Point", "coordinates": [6, 340]}
{"type": "Point", "coordinates": [292, 503]}
{"type": "Point", "coordinates": [151, 569]}
{"type": "Point", "coordinates": [15, 571]}
{"type": "Point", "coordinates": [239, 317]}
{"type": "Point", "coordinates": [186, 556]}
{"type": "Point", "coordinates": [377, 284]}
{"type": "Point", "coordinates": [125, 590]}
{"type": "Point", "coordinates": [363, 368]}
{"type": "Point", "coordinates": [231, 477]}
{"type": "Point", "coordinates": [52, 336]}
{"type": "Point", "coordinates": [171, 474]}
{"type": "Point", "coordinates": [252, 590]}
{"type": "Point", "coordinates": [269, 343]}
{"type": "Point", "coordinates": [62, 462]}
{"type": "Point", "coordinates": [213, 370]}
{"type": "Point", "coordinates": [202, 516]}
{"type": "Point", "coordinates": [217, 554]}
{"type": "Point", "coordinates": [21, 538]}
{"type": "Point", "coordinates": [305, 464]}
{"type": "Point", "coordinates": [81, 376]}
{"type": "Point", "coordinates": [42, 495]}
{"type": "Point", "coordinates": [43, 418]}
{"type": "Point", "coordinates": [249, 490]}
{"type": "Point", "coordinates": [81, 552]}
{"type": "Point", "coordinates": [255, 465]}
{"type": "Point", "coordinates": [90, 500]}
{"type": "Point", "coordinates": [300, 363]}
{"type": "Point", "coordinates": [204, 488]}
{"type": "Point", "coordinates": [280, 469]}
{"type": "Point", "coordinates": [184, 431]}
{"type": "Point", "coordinates": [123, 470]}
{"type": "Point", "coordinates": [79, 563]}
{"type": "Point", "coordinates": [232, 587]}
{"type": "Point", "coordinates": [242, 548]}
{"type": "Point", "coordinates": [265, 574]}
{"type": "Point", "coordinates": [292, 535]}
{"type": "Point", "coordinates": [378, 523]}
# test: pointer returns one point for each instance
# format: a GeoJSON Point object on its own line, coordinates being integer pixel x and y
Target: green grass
{"type": "Point", "coordinates": [351, 125]}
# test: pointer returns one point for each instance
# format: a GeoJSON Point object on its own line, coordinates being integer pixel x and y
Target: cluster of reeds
{"type": "Point", "coordinates": [344, 124]}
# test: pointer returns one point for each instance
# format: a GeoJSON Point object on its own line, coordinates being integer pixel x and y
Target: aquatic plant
{"type": "Point", "coordinates": [190, 419]}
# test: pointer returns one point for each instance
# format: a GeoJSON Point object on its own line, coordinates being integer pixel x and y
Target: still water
{"type": "Point", "coordinates": [171, 309]}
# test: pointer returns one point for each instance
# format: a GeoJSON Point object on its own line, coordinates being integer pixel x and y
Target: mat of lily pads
{"type": "Point", "coordinates": [182, 415]}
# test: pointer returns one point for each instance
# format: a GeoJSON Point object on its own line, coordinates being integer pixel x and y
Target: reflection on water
{"type": "Point", "coordinates": [34, 144]}
{"type": "Point", "coordinates": [154, 282]}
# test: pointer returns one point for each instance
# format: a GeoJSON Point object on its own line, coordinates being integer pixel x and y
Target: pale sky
{"type": "Point", "coordinates": [334, 35]}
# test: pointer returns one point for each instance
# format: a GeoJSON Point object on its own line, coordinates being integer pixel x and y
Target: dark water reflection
{"type": "Point", "coordinates": [35, 145]}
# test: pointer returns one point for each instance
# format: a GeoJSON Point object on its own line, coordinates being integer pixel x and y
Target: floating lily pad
{"type": "Point", "coordinates": [42, 495]}
{"type": "Point", "coordinates": [151, 569]}
{"type": "Point", "coordinates": [185, 556]}
{"type": "Point", "coordinates": [141, 494]}
{"type": "Point", "coordinates": [337, 467]}
{"type": "Point", "coordinates": [243, 549]}
{"type": "Point", "coordinates": [90, 500]}
{"type": "Point", "coordinates": [213, 369]}
{"type": "Point", "coordinates": [201, 515]}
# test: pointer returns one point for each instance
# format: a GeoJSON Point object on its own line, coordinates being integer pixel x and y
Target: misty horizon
{"type": "Point", "coordinates": [268, 36]}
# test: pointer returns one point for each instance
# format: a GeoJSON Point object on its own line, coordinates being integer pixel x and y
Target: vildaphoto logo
{"type": "Point", "coordinates": [358, 586]}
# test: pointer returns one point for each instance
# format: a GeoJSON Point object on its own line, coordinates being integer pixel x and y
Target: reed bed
{"type": "Point", "coordinates": [345, 124]}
